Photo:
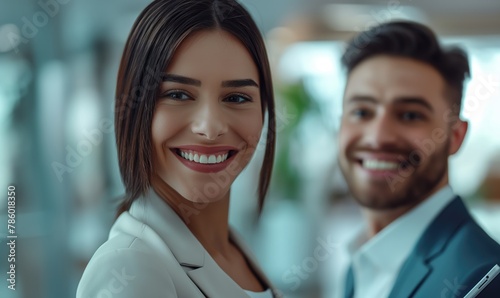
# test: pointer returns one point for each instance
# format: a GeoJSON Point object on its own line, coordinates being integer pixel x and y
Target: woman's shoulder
{"type": "Point", "coordinates": [125, 272]}
{"type": "Point", "coordinates": [128, 264]}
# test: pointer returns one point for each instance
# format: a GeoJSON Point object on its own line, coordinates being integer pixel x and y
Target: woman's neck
{"type": "Point", "coordinates": [207, 221]}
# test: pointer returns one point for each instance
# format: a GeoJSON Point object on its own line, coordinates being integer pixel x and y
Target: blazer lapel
{"type": "Point", "coordinates": [210, 276]}
{"type": "Point", "coordinates": [187, 250]}
{"type": "Point", "coordinates": [214, 282]}
{"type": "Point", "coordinates": [252, 262]}
{"type": "Point", "coordinates": [432, 243]}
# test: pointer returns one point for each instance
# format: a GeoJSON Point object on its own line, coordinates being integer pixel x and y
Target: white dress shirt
{"type": "Point", "coordinates": [377, 261]}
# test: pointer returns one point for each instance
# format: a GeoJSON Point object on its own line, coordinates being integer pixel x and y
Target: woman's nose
{"type": "Point", "coordinates": [209, 121]}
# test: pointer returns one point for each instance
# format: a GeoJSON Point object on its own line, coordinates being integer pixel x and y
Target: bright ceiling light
{"type": "Point", "coordinates": [359, 17]}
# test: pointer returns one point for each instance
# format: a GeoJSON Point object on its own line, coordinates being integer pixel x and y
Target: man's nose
{"type": "Point", "coordinates": [382, 132]}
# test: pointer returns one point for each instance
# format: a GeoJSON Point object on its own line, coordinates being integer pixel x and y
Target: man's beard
{"type": "Point", "coordinates": [404, 190]}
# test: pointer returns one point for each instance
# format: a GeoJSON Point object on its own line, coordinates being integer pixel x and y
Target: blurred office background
{"type": "Point", "coordinates": [58, 65]}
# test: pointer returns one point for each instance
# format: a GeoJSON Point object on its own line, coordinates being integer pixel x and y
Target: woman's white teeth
{"type": "Point", "coordinates": [204, 159]}
{"type": "Point", "coordinates": [374, 164]}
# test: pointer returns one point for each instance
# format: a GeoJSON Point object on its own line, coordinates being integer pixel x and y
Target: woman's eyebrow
{"type": "Point", "coordinates": [226, 84]}
{"type": "Point", "coordinates": [181, 79]}
{"type": "Point", "coordinates": [239, 83]}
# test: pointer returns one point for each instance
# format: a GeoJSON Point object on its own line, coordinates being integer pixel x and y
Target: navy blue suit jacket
{"type": "Point", "coordinates": [452, 255]}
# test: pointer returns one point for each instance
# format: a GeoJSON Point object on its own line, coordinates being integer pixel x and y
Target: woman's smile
{"type": "Point", "coordinates": [205, 159]}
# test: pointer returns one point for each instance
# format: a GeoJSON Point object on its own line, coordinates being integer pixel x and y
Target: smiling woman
{"type": "Point", "coordinates": [208, 115]}
{"type": "Point", "coordinates": [194, 87]}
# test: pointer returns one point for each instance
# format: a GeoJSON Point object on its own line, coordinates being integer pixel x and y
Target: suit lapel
{"type": "Point", "coordinates": [418, 266]}
{"type": "Point", "coordinates": [349, 283]}
{"type": "Point", "coordinates": [412, 274]}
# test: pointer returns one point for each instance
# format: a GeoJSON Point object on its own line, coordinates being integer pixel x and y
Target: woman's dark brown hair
{"type": "Point", "coordinates": [156, 34]}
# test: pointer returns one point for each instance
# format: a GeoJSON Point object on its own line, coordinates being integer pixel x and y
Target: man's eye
{"type": "Point", "coordinates": [360, 113]}
{"type": "Point", "coordinates": [411, 116]}
{"type": "Point", "coordinates": [176, 95]}
{"type": "Point", "coordinates": [237, 98]}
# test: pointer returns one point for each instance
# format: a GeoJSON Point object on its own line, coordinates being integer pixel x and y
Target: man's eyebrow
{"type": "Point", "coordinates": [398, 101]}
{"type": "Point", "coordinates": [239, 83]}
{"type": "Point", "coordinates": [414, 100]}
{"type": "Point", "coordinates": [361, 98]}
{"type": "Point", "coordinates": [181, 79]}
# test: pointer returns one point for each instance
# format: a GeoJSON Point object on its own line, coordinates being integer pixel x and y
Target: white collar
{"type": "Point", "coordinates": [403, 234]}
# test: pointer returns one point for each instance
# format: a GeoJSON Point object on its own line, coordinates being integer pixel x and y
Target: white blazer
{"type": "Point", "coordinates": [151, 253]}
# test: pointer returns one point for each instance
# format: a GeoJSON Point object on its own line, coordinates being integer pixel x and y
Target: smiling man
{"type": "Point", "coordinates": [400, 124]}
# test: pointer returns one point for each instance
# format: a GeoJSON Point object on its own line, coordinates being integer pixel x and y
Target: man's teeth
{"type": "Point", "coordinates": [204, 159]}
{"type": "Point", "coordinates": [373, 164]}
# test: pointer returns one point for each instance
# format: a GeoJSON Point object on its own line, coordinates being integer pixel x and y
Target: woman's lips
{"type": "Point", "coordinates": [205, 159]}
{"type": "Point", "coordinates": [198, 157]}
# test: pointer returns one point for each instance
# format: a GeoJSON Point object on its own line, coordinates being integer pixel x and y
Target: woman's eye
{"type": "Point", "coordinates": [237, 98]}
{"type": "Point", "coordinates": [176, 95]}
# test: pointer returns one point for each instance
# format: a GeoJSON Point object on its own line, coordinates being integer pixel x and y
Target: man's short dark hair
{"type": "Point", "coordinates": [412, 40]}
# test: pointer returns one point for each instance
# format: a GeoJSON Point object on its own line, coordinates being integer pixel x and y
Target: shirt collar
{"type": "Point", "coordinates": [388, 249]}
